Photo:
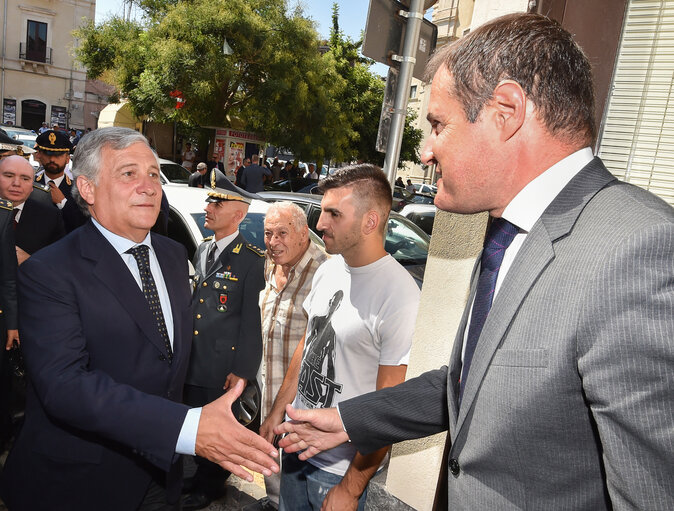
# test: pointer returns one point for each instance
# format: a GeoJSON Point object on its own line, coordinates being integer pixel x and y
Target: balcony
{"type": "Point", "coordinates": [42, 55]}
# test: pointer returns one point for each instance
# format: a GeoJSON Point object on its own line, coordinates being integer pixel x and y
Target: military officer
{"type": "Point", "coordinates": [54, 149]}
{"type": "Point", "coordinates": [8, 312]}
{"type": "Point", "coordinates": [227, 342]}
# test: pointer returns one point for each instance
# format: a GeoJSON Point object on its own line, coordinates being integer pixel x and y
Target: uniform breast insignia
{"type": "Point", "coordinates": [237, 248]}
{"type": "Point", "coordinates": [255, 250]}
{"type": "Point", "coordinates": [226, 275]}
{"type": "Point", "coordinates": [5, 204]}
{"type": "Point", "coordinates": [39, 177]}
{"type": "Point", "coordinates": [222, 305]}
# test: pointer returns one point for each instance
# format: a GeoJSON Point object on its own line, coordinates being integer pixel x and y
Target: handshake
{"type": "Point", "coordinates": [233, 446]}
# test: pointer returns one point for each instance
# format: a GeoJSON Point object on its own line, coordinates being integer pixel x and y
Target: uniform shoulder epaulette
{"type": "Point", "coordinates": [208, 238]}
{"type": "Point", "coordinates": [5, 204]}
{"type": "Point", "coordinates": [39, 176]}
{"type": "Point", "coordinates": [69, 181]}
{"type": "Point", "coordinates": [40, 186]}
{"type": "Point", "coordinates": [255, 250]}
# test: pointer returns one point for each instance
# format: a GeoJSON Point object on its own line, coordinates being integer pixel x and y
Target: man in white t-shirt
{"type": "Point", "coordinates": [188, 156]}
{"type": "Point", "coordinates": [361, 308]}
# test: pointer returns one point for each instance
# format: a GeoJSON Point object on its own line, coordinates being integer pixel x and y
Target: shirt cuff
{"type": "Point", "coordinates": [187, 439]}
{"type": "Point", "coordinates": [340, 420]}
{"type": "Point", "coordinates": [62, 203]}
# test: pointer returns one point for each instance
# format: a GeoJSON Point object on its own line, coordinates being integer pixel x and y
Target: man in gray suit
{"type": "Point", "coordinates": [560, 397]}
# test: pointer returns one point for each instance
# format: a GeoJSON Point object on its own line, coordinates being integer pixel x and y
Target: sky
{"type": "Point", "coordinates": [352, 17]}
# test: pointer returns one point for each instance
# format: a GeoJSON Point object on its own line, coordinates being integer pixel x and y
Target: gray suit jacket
{"type": "Point", "coordinates": [569, 403]}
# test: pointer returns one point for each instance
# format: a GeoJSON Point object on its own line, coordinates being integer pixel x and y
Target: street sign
{"type": "Point", "coordinates": [385, 33]}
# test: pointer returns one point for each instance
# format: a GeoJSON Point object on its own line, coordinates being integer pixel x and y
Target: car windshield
{"type": "Point", "coordinates": [406, 242]}
{"type": "Point", "coordinates": [175, 173]}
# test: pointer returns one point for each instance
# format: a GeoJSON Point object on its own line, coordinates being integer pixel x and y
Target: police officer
{"type": "Point", "coordinates": [54, 149]}
{"type": "Point", "coordinates": [8, 312]}
{"type": "Point", "coordinates": [227, 342]}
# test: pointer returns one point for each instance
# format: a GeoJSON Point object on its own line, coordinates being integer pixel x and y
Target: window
{"type": "Point", "coordinates": [36, 41]}
{"type": "Point", "coordinates": [413, 91]}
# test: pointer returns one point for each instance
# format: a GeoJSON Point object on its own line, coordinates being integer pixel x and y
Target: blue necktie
{"type": "Point", "coordinates": [141, 255]}
{"type": "Point", "coordinates": [499, 236]}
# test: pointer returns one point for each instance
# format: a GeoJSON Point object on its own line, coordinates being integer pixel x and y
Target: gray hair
{"type": "Point", "coordinates": [297, 216]}
{"type": "Point", "coordinates": [87, 157]}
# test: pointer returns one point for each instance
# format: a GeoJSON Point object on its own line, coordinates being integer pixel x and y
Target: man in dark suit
{"type": "Point", "coordinates": [254, 176]}
{"type": "Point", "coordinates": [37, 224]}
{"type": "Point", "coordinates": [558, 391]}
{"type": "Point", "coordinates": [227, 343]}
{"type": "Point", "coordinates": [8, 315]}
{"type": "Point", "coordinates": [106, 340]}
{"type": "Point", "coordinates": [54, 149]}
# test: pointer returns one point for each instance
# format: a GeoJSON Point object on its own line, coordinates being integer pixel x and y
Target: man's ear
{"type": "Point", "coordinates": [86, 189]}
{"type": "Point", "coordinates": [370, 221]}
{"type": "Point", "coordinates": [508, 108]}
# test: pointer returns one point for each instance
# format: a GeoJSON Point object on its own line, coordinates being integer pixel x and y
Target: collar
{"type": "Point", "coordinates": [119, 243]}
{"type": "Point", "coordinates": [222, 243]}
{"type": "Point", "coordinates": [529, 204]}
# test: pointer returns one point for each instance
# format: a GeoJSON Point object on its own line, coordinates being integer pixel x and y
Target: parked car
{"type": "Point", "coordinates": [423, 198]}
{"type": "Point", "coordinates": [22, 134]}
{"type": "Point", "coordinates": [173, 173]}
{"type": "Point", "coordinates": [425, 188]}
{"type": "Point", "coordinates": [423, 215]}
{"type": "Point", "coordinates": [290, 185]}
{"type": "Point", "coordinates": [404, 241]}
{"type": "Point", "coordinates": [186, 218]}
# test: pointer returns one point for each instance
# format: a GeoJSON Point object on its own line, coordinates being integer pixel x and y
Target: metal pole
{"type": "Point", "coordinates": [414, 20]}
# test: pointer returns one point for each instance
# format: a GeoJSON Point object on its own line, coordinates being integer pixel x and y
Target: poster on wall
{"type": "Point", "coordinates": [220, 144]}
{"type": "Point", "coordinates": [236, 152]}
{"type": "Point", "coordinates": [9, 112]}
{"type": "Point", "coordinates": [58, 116]}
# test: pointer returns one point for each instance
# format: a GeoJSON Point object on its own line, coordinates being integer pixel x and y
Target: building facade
{"type": "Point", "coordinates": [40, 80]}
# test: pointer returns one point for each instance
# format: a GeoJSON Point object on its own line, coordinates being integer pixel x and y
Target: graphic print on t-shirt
{"type": "Point", "coordinates": [317, 385]}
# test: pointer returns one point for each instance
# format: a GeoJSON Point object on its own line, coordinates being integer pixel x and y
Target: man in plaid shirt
{"type": "Point", "coordinates": [292, 260]}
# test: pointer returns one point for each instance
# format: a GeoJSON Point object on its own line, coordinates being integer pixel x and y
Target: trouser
{"type": "Point", "coordinates": [304, 486]}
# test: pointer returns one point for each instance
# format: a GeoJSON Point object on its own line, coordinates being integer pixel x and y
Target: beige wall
{"type": "Point", "coordinates": [60, 83]}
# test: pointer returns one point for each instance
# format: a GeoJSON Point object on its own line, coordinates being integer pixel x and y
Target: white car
{"type": "Point", "coordinates": [173, 173]}
{"type": "Point", "coordinates": [425, 188]}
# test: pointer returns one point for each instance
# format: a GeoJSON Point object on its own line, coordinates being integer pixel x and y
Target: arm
{"type": "Point", "coordinates": [285, 395]}
{"type": "Point", "coordinates": [345, 495]}
{"type": "Point", "coordinates": [248, 353]}
{"type": "Point", "coordinates": [414, 409]}
{"type": "Point", "coordinates": [8, 257]}
{"type": "Point", "coordinates": [626, 362]}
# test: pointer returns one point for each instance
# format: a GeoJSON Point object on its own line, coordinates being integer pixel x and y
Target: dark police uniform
{"type": "Point", "coordinates": [8, 310]}
{"type": "Point", "coordinates": [227, 334]}
{"type": "Point", "coordinates": [39, 225]}
{"type": "Point", "coordinates": [57, 142]}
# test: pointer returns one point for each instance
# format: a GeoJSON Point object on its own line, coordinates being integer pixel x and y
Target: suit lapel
{"type": "Point", "coordinates": [111, 270]}
{"type": "Point", "coordinates": [533, 257]}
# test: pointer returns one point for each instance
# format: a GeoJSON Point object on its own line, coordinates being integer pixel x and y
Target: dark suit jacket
{"type": "Point", "coordinates": [568, 404]}
{"type": "Point", "coordinates": [103, 408]}
{"type": "Point", "coordinates": [227, 315]}
{"type": "Point", "coordinates": [71, 212]}
{"type": "Point", "coordinates": [39, 225]}
{"type": "Point", "coordinates": [252, 179]}
{"type": "Point", "coordinates": [8, 318]}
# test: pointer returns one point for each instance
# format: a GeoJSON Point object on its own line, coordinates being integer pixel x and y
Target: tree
{"type": "Point", "coordinates": [362, 98]}
{"type": "Point", "coordinates": [274, 81]}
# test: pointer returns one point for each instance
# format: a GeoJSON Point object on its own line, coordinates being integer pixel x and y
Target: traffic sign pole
{"type": "Point", "coordinates": [407, 60]}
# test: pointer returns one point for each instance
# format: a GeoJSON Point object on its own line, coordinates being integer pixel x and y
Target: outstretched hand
{"type": "Point", "coordinates": [313, 430]}
{"type": "Point", "coordinates": [222, 440]}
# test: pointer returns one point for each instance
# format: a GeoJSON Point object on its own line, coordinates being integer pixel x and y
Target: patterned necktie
{"type": "Point", "coordinates": [501, 233]}
{"type": "Point", "coordinates": [142, 257]}
{"type": "Point", "coordinates": [210, 257]}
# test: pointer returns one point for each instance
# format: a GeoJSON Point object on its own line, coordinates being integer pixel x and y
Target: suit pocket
{"type": "Point", "coordinates": [520, 358]}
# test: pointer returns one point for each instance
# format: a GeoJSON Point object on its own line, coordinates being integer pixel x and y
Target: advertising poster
{"type": "Point", "coordinates": [58, 116]}
{"type": "Point", "coordinates": [9, 112]}
{"type": "Point", "coordinates": [236, 155]}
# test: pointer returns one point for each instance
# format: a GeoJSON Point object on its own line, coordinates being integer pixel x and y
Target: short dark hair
{"type": "Point", "coordinates": [537, 53]}
{"type": "Point", "coordinates": [369, 183]}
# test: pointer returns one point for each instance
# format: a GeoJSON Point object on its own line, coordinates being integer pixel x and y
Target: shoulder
{"type": "Point", "coordinates": [6, 205]}
{"type": "Point", "coordinates": [162, 243]}
{"type": "Point", "coordinates": [255, 250]}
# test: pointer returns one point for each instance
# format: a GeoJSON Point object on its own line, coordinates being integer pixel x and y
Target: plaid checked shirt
{"type": "Point", "coordinates": [284, 320]}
